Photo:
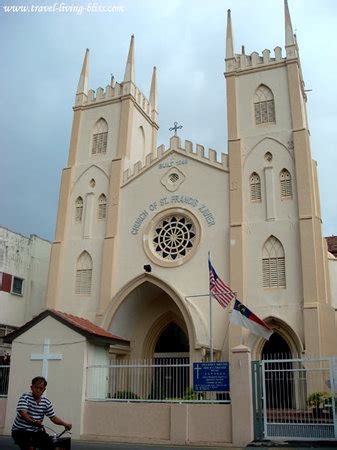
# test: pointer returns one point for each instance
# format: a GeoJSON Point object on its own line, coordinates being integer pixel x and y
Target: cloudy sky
{"type": "Point", "coordinates": [41, 57]}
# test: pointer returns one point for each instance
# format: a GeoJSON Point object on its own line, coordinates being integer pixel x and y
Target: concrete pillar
{"type": "Point", "coordinates": [178, 423]}
{"type": "Point", "coordinates": [241, 396]}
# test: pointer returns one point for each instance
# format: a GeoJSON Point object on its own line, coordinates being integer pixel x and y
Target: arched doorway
{"type": "Point", "coordinates": [279, 383]}
{"type": "Point", "coordinates": [171, 359]}
{"type": "Point", "coordinates": [172, 342]}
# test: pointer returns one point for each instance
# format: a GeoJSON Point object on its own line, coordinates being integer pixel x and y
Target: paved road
{"type": "Point", "coordinates": [6, 443]}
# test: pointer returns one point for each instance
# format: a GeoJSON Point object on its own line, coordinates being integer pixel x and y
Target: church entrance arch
{"type": "Point", "coordinates": [153, 317]}
{"type": "Point", "coordinates": [281, 388]}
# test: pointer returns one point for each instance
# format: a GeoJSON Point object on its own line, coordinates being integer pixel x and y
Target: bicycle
{"type": "Point", "coordinates": [57, 442]}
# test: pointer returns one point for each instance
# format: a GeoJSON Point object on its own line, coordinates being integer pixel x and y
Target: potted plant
{"type": "Point", "coordinates": [316, 400]}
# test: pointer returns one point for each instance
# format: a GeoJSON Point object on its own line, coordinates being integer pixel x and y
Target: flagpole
{"type": "Point", "coordinates": [229, 316]}
{"type": "Point", "coordinates": [210, 318]}
{"type": "Point", "coordinates": [210, 328]}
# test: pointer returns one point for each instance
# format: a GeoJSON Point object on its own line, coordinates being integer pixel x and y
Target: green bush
{"type": "Point", "coordinates": [189, 394]}
{"type": "Point", "coordinates": [317, 399]}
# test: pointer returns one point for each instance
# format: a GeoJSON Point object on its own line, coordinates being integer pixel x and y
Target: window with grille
{"type": "Point", "coordinates": [273, 264]}
{"type": "Point", "coordinates": [255, 187]}
{"type": "Point", "coordinates": [78, 209]}
{"type": "Point", "coordinates": [17, 286]}
{"type": "Point", "coordinates": [83, 274]}
{"type": "Point", "coordinates": [285, 182]}
{"type": "Point", "coordinates": [102, 207]}
{"type": "Point", "coordinates": [100, 137]}
{"type": "Point", "coordinates": [264, 106]}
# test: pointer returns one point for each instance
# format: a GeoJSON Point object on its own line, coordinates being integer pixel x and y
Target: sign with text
{"type": "Point", "coordinates": [211, 376]}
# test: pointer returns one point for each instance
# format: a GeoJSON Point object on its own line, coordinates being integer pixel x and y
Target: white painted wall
{"type": "Point", "coordinates": [26, 258]}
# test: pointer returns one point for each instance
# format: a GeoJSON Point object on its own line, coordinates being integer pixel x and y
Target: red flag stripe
{"type": "Point", "coordinates": [220, 291]}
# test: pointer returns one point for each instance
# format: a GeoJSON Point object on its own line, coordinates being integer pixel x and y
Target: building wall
{"type": "Point", "coordinates": [175, 424]}
{"type": "Point", "coordinates": [26, 258]}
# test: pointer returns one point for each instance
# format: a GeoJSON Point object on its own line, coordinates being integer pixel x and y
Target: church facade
{"type": "Point", "coordinates": [136, 222]}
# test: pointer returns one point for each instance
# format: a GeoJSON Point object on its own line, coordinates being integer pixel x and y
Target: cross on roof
{"type": "Point", "coordinates": [45, 357]}
{"type": "Point", "coordinates": [175, 128]}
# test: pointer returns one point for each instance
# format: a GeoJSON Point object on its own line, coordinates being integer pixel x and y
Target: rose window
{"type": "Point", "coordinates": [173, 237]}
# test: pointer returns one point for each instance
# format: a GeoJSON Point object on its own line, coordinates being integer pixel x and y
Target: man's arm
{"type": "Point", "coordinates": [24, 414]}
{"type": "Point", "coordinates": [59, 421]}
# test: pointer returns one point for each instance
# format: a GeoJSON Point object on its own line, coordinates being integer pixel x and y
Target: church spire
{"type": "Point", "coordinates": [153, 90]}
{"type": "Point", "coordinates": [82, 86]}
{"type": "Point", "coordinates": [229, 37]}
{"type": "Point", "coordinates": [130, 64]}
{"type": "Point", "coordinates": [289, 34]}
{"type": "Point", "coordinates": [290, 44]}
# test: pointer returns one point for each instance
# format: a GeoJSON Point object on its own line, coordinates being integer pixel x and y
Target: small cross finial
{"type": "Point", "coordinates": [175, 128]}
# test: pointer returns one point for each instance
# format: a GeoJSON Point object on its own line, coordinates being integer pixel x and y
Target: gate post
{"type": "Point", "coordinates": [241, 396]}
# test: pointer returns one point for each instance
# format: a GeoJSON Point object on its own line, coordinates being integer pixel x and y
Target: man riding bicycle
{"type": "Point", "coordinates": [27, 429]}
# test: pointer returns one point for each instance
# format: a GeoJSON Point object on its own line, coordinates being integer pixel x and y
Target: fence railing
{"type": "Point", "coordinates": [300, 398]}
{"type": "Point", "coordinates": [158, 380]}
{"type": "Point", "coordinates": [4, 380]}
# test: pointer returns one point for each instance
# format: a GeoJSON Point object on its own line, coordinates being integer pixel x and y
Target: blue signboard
{"type": "Point", "coordinates": [211, 376]}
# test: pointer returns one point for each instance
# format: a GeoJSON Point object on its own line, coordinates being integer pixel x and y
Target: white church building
{"type": "Point", "coordinates": [125, 204]}
{"type": "Point", "coordinates": [136, 221]}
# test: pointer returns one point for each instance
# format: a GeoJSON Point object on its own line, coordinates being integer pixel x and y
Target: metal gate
{"type": "Point", "coordinates": [295, 398]}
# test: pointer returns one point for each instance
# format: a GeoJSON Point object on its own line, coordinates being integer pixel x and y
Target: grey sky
{"type": "Point", "coordinates": [41, 58]}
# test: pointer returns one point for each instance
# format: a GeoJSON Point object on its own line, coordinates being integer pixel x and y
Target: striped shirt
{"type": "Point", "coordinates": [36, 411]}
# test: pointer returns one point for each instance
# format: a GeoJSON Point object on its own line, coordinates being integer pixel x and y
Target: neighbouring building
{"type": "Point", "coordinates": [24, 266]}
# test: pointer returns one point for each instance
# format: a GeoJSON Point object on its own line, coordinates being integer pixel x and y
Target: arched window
{"type": "Point", "coordinates": [100, 137]}
{"type": "Point", "coordinates": [285, 182]}
{"type": "Point", "coordinates": [78, 209]}
{"type": "Point", "coordinates": [255, 187]}
{"type": "Point", "coordinates": [141, 140]}
{"type": "Point", "coordinates": [264, 107]}
{"type": "Point", "coordinates": [83, 274]}
{"type": "Point", "coordinates": [273, 264]}
{"type": "Point", "coordinates": [102, 207]}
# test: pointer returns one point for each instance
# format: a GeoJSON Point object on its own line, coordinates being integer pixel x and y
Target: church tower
{"type": "Point", "coordinates": [112, 130]}
{"type": "Point", "coordinates": [277, 255]}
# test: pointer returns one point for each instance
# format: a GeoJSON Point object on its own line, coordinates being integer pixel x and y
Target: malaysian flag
{"type": "Point", "coordinates": [220, 291]}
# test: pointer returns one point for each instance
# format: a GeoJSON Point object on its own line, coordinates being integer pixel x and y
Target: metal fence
{"type": "Point", "coordinates": [4, 380]}
{"type": "Point", "coordinates": [156, 380]}
{"type": "Point", "coordinates": [297, 398]}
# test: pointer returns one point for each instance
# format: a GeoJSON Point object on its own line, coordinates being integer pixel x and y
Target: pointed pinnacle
{"type": "Point", "coordinates": [82, 86]}
{"type": "Point", "coordinates": [153, 90]}
{"type": "Point", "coordinates": [289, 34]}
{"type": "Point", "coordinates": [229, 37]}
{"type": "Point", "coordinates": [130, 64]}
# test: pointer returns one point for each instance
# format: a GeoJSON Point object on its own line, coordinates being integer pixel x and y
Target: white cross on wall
{"type": "Point", "coordinates": [45, 357]}
{"type": "Point", "coordinates": [197, 369]}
